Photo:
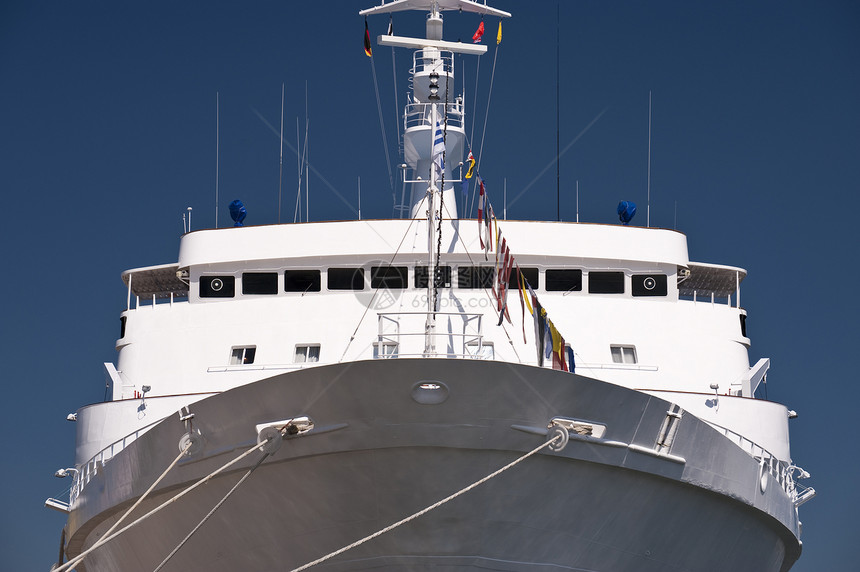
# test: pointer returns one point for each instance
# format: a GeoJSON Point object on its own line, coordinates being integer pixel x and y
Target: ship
{"type": "Point", "coordinates": [433, 392]}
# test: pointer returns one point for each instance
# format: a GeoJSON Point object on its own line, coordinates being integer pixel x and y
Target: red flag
{"type": "Point", "coordinates": [478, 33]}
{"type": "Point", "coordinates": [522, 301]}
{"type": "Point", "coordinates": [367, 49]}
{"type": "Point", "coordinates": [481, 212]}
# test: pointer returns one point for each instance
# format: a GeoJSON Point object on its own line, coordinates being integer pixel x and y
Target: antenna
{"type": "Point", "coordinates": [307, 162]}
{"type": "Point", "coordinates": [281, 162]}
{"type": "Point", "coordinates": [189, 219]}
{"type": "Point", "coordinates": [505, 203]}
{"type": "Point", "coordinates": [557, 111]}
{"type": "Point", "coordinates": [217, 149]}
{"type": "Point", "coordinates": [577, 200]}
{"type": "Point", "coordinates": [648, 205]}
{"type": "Point", "coordinates": [359, 197]}
{"type": "Point", "coordinates": [298, 211]}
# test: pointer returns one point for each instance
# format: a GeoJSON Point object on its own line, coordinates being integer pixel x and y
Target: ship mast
{"type": "Point", "coordinates": [434, 125]}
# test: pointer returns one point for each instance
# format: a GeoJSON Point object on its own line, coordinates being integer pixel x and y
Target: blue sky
{"type": "Point", "coordinates": [107, 134]}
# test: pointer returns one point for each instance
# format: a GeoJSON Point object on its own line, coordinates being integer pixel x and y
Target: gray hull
{"type": "Point", "coordinates": [381, 450]}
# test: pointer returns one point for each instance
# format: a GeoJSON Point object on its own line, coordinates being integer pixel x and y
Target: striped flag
{"type": "Point", "coordinates": [439, 149]}
{"type": "Point", "coordinates": [367, 49]}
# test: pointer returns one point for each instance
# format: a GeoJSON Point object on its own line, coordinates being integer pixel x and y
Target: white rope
{"type": "Point", "coordinates": [211, 512]}
{"type": "Point", "coordinates": [205, 479]}
{"type": "Point", "coordinates": [135, 505]}
{"type": "Point", "coordinates": [428, 509]}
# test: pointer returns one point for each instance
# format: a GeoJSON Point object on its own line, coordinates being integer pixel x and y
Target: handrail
{"type": "Point", "coordinates": [779, 470]}
{"type": "Point", "coordinates": [421, 115]}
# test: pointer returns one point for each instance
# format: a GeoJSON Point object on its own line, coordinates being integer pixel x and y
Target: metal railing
{"type": "Point", "coordinates": [399, 331]}
{"type": "Point", "coordinates": [92, 467]}
{"type": "Point", "coordinates": [433, 59]}
{"type": "Point", "coordinates": [779, 470]}
{"type": "Point", "coordinates": [421, 115]}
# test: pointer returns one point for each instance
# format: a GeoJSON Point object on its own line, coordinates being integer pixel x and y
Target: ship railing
{"type": "Point", "coordinates": [782, 471]}
{"type": "Point", "coordinates": [404, 334]}
{"type": "Point", "coordinates": [433, 59]}
{"type": "Point", "coordinates": [421, 115]}
{"type": "Point", "coordinates": [91, 468]}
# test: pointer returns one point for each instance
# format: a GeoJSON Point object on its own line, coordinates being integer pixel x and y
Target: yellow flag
{"type": "Point", "coordinates": [499, 35]}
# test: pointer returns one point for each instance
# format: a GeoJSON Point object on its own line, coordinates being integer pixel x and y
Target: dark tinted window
{"type": "Point", "coordinates": [122, 326]}
{"type": "Point", "coordinates": [606, 282]}
{"type": "Point", "coordinates": [422, 277]}
{"type": "Point", "coordinates": [301, 280]}
{"type": "Point", "coordinates": [217, 286]}
{"type": "Point", "coordinates": [346, 279]}
{"type": "Point", "coordinates": [394, 277]}
{"type": "Point", "coordinates": [531, 274]}
{"type": "Point", "coordinates": [475, 276]}
{"type": "Point", "coordinates": [649, 284]}
{"type": "Point", "coordinates": [743, 325]}
{"type": "Point", "coordinates": [564, 280]}
{"type": "Point", "coordinates": [260, 283]}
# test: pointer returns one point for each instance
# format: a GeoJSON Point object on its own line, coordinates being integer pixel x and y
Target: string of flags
{"type": "Point", "coordinates": [549, 343]}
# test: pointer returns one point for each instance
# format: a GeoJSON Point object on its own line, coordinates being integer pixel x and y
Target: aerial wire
{"type": "Point", "coordinates": [382, 130]}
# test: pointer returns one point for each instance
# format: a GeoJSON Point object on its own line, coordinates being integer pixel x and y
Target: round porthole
{"type": "Point", "coordinates": [216, 284]}
{"type": "Point", "coordinates": [649, 283]}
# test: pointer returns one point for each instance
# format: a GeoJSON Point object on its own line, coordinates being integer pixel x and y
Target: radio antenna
{"type": "Point", "coordinates": [217, 149]}
{"type": "Point", "coordinates": [281, 162]}
{"type": "Point", "coordinates": [648, 209]}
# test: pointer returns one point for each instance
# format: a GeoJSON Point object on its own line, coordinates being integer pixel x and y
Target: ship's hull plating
{"type": "Point", "coordinates": [384, 448]}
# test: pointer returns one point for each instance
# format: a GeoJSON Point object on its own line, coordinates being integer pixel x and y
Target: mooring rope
{"type": "Point", "coordinates": [68, 565]}
{"type": "Point", "coordinates": [211, 512]}
{"type": "Point", "coordinates": [182, 453]}
{"type": "Point", "coordinates": [428, 509]}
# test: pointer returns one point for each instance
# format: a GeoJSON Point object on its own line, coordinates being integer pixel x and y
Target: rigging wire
{"type": "Point", "coordinates": [489, 96]}
{"type": "Point", "coordinates": [382, 130]}
{"type": "Point", "coordinates": [375, 292]}
{"type": "Point", "coordinates": [396, 108]}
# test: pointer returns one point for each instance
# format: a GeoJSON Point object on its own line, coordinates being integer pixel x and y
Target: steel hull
{"type": "Point", "coordinates": [380, 452]}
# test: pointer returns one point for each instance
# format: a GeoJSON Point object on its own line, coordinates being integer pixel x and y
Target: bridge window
{"type": "Point", "coordinates": [217, 286]}
{"type": "Point", "coordinates": [301, 280]}
{"type": "Point", "coordinates": [564, 280]}
{"type": "Point", "coordinates": [475, 276]}
{"type": "Point", "coordinates": [606, 283]}
{"type": "Point", "coordinates": [346, 279]}
{"type": "Point", "coordinates": [649, 284]}
{"type": "Point", "coordinates": [392, 277]}
{"type": "Point", "coordinates": [530, 274]}
{"type": "Point", "coordinates": [259, 283]}
{"type": "Point", "coordinates": [422, 277]}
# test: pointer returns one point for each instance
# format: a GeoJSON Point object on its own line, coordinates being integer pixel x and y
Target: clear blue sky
{"type": "Point", "coordinates": [107, 134]}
